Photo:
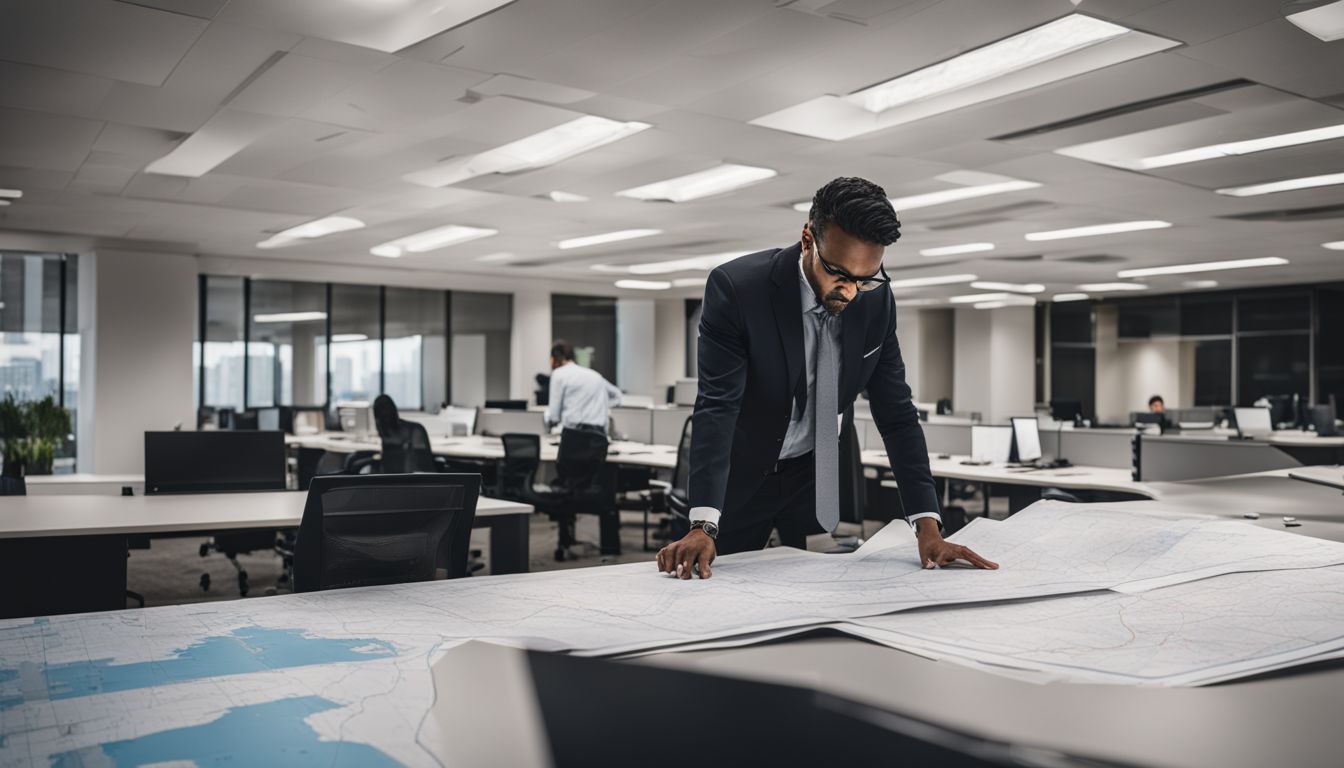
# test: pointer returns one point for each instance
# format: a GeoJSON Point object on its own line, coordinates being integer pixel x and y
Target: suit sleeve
{"type": "Point", "coordinates": [897, 420]}
{"type": "Point", "coordinates": [722, 353]}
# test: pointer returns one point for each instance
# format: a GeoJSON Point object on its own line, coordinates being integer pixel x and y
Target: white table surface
{"type": "Point", "coordinates": [481, 447]}
{"type": "Point", "coordinates": [1075, 478]}
{"type": "Point", "coordinates": [91, 515]}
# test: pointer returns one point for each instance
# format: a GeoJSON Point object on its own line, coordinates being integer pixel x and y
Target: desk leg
{"type": "Point", "coordinates": [609, 530]}
{"type": "Point", "coordinates": [508, 543]}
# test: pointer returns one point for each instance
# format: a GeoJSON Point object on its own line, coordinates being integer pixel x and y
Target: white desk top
{"type": "Point", "coordinates": [480, 447]}
{"type": "Point", "coordinates": [88, 515]}
{"type": "Point", "coordinates": [1076, 478]}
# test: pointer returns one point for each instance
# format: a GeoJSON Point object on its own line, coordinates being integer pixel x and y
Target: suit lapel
{"type": "Point", "coordinates": [852, 327]}
{"type": "Point", "coordinates": [788, 311]}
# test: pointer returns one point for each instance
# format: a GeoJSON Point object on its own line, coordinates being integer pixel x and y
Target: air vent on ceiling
{"type": "Point", "coordinates": [1124, 109]}
{"type": "Point", "coordinates": [1292, 214]}
{"type": "Point", "coordinates": [1025, 257]}
{"type": "Point", "coordinates": [1093, 258]}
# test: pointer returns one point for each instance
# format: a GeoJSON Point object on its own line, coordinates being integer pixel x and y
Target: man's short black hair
{"type": "Point", "coordinates": [562, 350]}
{"type": "Point", "coordinates": [1156, 399]}
{"type": "Point", "coordinates": [859, 207]}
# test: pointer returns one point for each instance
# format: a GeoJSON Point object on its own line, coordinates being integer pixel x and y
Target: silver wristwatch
{"type": "Point", "coordinates": [711, 530]}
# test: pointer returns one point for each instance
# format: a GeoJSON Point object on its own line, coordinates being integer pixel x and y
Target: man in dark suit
{"type": "Point", "coordinates": [788, 339]}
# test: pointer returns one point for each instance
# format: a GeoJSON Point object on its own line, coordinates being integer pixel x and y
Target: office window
{"type": "Point", "coordinates": [1274, 313]}
{"type": "Point", "coordinates": [1330, 346]}
{"type": "Point", "coordinates": [39, 338]}
{"type": "Point", "coordinates": [356, 350]}
{"type": "Point", "coordinates": [482, 324]}
{"type": "Point", "coordinates": [589, 323]}
{"type": "Point", "coordinates": [286, 347]}
{"type": "Point", "coordinates": [220, 355]}
{"type": "Point", "coordinates": [1272, 365]}
{"type": "Point", "coordinates": [1213, 370]}
{"type": "Point", "coordinates": [1073, 356]}
{"type": "Point", "coordinates": [1206, 316]}
{"type": "Point", "coordinates": [1147, 318]}
{"type": "Point", "coordinates": [415, 348]}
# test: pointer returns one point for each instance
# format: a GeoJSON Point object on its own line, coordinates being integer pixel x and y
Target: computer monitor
{"type": "Point", "coordinates": [363, 530]}
{"type": "Point", "coordinates": [992, 444]}
{"type": "Point", "coordinates": [276, 418]}
{"type": "Point", "coordinates": [1026, 438]}
{"type": "Point", "coordinates": [461, 420]}
{"type": "Point", "coordinates": [308, 421]}
{"type": "Point", "coordinates": [356, 417]}
{"type": "Point", "coordinates": [1253, 422]}
{"type": "Point", "coordinates": [214, 461]}
{"type": "Point", "coordinates": [507, 405]}
{"type": "Point", "coordinates": [1323, 419]}
{"type": "Point", "coordinates": [1066, 410]}
{"type": "Point", "coordinates": [245, 419]}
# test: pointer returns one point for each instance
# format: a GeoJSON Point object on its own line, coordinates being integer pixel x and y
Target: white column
{"type": "Point", "coordinates": [635, 344]}
{"type": "Point", "coordinates": [530, 346]}
{"type": "Point", "coordinates": [137, 324]}
{"type": "Point", "coordinates": [669, 364]}
{"type": "Point", "coordinates": [995, 362]}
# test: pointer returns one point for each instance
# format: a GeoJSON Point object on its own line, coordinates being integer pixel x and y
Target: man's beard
{"type": "Point", "coordinates": [835, 303]}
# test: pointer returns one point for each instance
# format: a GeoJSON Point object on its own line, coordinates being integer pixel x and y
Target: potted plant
{"type": "Point", "coordinates": [30, 432]}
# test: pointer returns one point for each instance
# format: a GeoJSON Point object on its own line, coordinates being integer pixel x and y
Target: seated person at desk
{"type": "Point", "coordinates": [1156, 404]}
{"type": "Point", "coordinates": [765, 431]}
{"type": "Point", "coordinates": [579, 397]}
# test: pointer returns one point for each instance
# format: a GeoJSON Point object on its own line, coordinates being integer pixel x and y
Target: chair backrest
{"type": "Point", "coordinates": [214, 461]}
{"type": "Point", "coordinates": [13, 486]}
{"type": "Point", "coordinates": [406, 449]}
{"type": "Point", "coordinates": [364, 530]}
{"type": "Point", "coordinates": [522, 456]}
{"type": "Point", "coordinates": [853, 489]}
{"type": "Point", "coordinates": [582, 456]}
{"type": "Point", "coordinates": [680, 494]}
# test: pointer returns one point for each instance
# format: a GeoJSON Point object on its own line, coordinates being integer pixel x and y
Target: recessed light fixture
{"type": "Point", "coordinates": [499, 257]}
{"type": "Point", "coordinates": [692, 186]}
{"type": "Point", "coordinates": [1097, 229]}
{"type": "Point", "coordinates": [1065, 297]}
{"type": "Point", "coordinates": [927, 301]}
{"type": "Point", "coordinates": [1198, 284]}
{"type": "Point", "coordinates": [953, 250]}
{"type": "Point", "coordinates": [430, 240]}
{"type": "Point", "coordinates": [644, 285]}
{"type": "Point", "coordinates": [606, 237]}
{"type": "Point", "coordinates": [1233, 148]}
{"type": "Point", "coordinates": [338, 338]}
{"type": "Point", "coordinates": [1010, 287]}
{"type": "Point", "coordinates": [1107, 287]}
{"type": "Point", "coordinates": [1206, 266]}
{"type": "Point", "coordinates": [538, 150]}
{"type": "Point", "coordinates": [12, 194]}
{"type": "Point", "coordinates": [706, 262]}
{"type": "Point", "coordinates": [225, 134]}
{"type": "Point", "coordinates": [3, 203]}
{"type": "Point", "coordinates": [566, 197]}
{"type": "Point", "coordinates": [972, 298]}
{"type": "Point", "coordinates": [1325, 22]}
{"type": "Point", "coordinates": [1029, 59]}
{"type": "Point", "coordinates": [1337, 245]}
{"type": "Point", "coordinates": [689, 282]}
{"type": "Point", "coordinates": [1286, 185]}
{"type": "Point", "coordinates": [944, 196]}
{"type": "Point", "coordinates": [328, 225]}
{"type": "Point", "coordinates": [920, 282]}
{"type": "Point", "coordinates": [1012, 301]}
{"type": "Point", "coordinates": [290, 317]}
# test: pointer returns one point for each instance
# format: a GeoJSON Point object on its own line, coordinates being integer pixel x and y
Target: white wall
{"type": "Point", "coordinates": [995, 362]}
{"type": "Point", "coordinates": [137, 319]}
{"type": "Point", "coordinates": [937, 342]}
{"type": "Point", "coordinates": [530, 350]}
{"type": "Point", "coordinates": [669, 357]}
{"type": "Point", "coordinates": [635, 345]}
{"type": "Point", "coordinates": [1129, 372]}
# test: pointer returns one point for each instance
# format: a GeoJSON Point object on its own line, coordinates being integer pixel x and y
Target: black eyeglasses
{"type": "Point", "coordinates": [863, 284]}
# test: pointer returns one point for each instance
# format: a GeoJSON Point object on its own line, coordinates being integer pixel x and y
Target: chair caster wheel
{"type": "Point", "coordinates": [560, 555]}
{"type": "Point", "coordinates": [205, 582]}
{"type": "Point", "coordinates": [242, 583]}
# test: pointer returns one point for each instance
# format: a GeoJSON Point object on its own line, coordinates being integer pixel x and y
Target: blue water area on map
{"type": "Point", "coordinates": [248, 649]}
{"type": "Point", "coordinates": [258, 735]}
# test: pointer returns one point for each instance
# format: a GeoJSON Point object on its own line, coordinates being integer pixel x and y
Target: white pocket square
{"type": "Point", "coordinates": [870, 352]}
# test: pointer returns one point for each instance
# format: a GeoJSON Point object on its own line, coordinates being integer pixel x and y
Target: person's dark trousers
{"type": "Point", "coordinates": [786, 501]}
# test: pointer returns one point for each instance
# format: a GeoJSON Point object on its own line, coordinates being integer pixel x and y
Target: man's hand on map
{"type": "Point", "coordinates": [689, 556]}
{"type": "Point", "coordinates": [935, 552]}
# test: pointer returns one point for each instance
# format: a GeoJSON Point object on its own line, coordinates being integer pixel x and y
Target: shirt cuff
{"type": "Point", "coordinates": [915, 517]}
{"type": "Point", "coordinates": [708, 514]}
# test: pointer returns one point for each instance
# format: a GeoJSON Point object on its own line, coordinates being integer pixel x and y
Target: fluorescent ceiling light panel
{"type": "Point", "coordinates": [689, 282]}
{"type": "Point", "coordinates": [1233, 148]}
{"type": "Point", "coordinates": [1325, 22]}
{"type": "Point", "coordinates": [566, 197]}
{"type": "Point", "coordinates": [328, 225]}
{"type": "Point", "coordinates": [1010, 287]}
{"type": "Point", "coordinates": [644, 285]}
{"type": "Point", "coordinates": [500, 257]}
{"type": "Point", "coordinates": [1337, 245]}
{"type": "Point", "coordinates": [1051, 52]}
{"type": "Point", "coordinates": [955, 195]}
{"type": "Point", "coordinates": [1197, 284]}
{"type": "Point", "coordinates": [1097, 229]}
{"type": "Point", "coordinates": [606, 237]}
{"type": "Point", "coordinates": [972, 298]}
{"type": "Point", "coordinates": [692, 186]}
{"type": "Point", "coordinates": [3, 203]}
{"type": "Point", "coordinates": [383, 25]}
{"type": "Point", "coordinates": [431, 239]}
{"type": "Point", "coordinates": [1015, 301]}
{"type": "Point", "coordinates": [706, 262]}
{"type": "Point", "coordinates": [290, 317]}
{"type": "Point", "coordinates": [224, 135]}
{"type": "Point", "coordinates": [920, 282]}
{"type": "Point", "coordinates": [536, 151]}
{"type": "Point", "coordinates": [1063, 297]}
{"type": "Point", "coordinates": [13, 194]}
{"type": "Point", "coordinates": [338, 338]}
{"type": "Point", "coordinates": [1206, 266]}
{"type": "Point", "coordinates": [1107, 287]}
{"type": "Point", "coordinates": [1286, 185]}
{"type": "Point", "coordinates": [953, 250]}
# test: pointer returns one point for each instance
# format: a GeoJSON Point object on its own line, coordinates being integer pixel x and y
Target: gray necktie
{"type": "Point", "coordinates": [827, 445]}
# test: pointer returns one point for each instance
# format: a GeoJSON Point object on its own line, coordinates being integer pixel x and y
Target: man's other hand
{"type": "Point", "coordinates": [935, 552]}
{"type": "Point", "coordinates": [689, 556]}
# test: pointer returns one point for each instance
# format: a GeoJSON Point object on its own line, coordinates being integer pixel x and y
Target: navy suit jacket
{"type": "Point", "coordinates": [751, 376]}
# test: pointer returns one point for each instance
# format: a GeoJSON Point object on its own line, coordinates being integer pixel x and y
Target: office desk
{"type": "Point", "coordinates": [83, 484]}
{"type": "Point", "coordinates": [479, 447]}
{"type": "Point", "coordinates": [77, 544]}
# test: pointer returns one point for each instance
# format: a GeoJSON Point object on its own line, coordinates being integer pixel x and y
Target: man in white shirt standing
{"type": "Point", "coordinates": [580, 397]}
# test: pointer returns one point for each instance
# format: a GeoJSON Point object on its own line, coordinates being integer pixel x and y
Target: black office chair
{"type": "Point", "coordinates": [672, 497]}
{"type": "Point", "coordinates": [583, 478]}
{"type": "Point", "coordinates": [406, 445]}
{"type": "Point", "coordinates": [367, 530]}
{"type": "Point", "coordinates": [853, 488]}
